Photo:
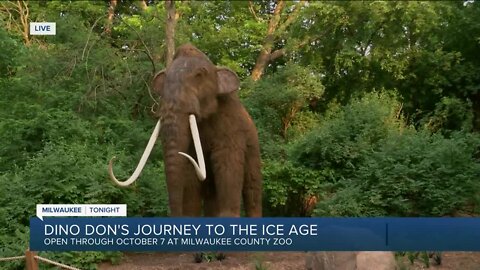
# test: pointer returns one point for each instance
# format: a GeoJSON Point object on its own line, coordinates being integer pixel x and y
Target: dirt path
{"type": "Point", "coordinates": [269, 260]}
{"type": "Point", "coordinates": [234, 260]}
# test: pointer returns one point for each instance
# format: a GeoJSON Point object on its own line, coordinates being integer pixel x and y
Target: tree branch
{"type": "Point", "coordinates": [89, 35]}
{"type": "Point", "coordinates": [263, 58]}
{"type": "Point", "coordinates": [143, 5]}
{"type": "Point", "coordinates": [276, 54]}
{"type": "Point", "coordinates": [281, 52]}
{"type": "Point", "coordinates": [291, 18]}
{"type": "Point", "coordinates": [170, 30]}
{"type": "Point", "coordinates": [155, 104]}
{"type": "Point", "coordinates": [111, 14]}
{"type": "Point", "coordinates": [10, 16]}
{"type": "Point", "coordinates": [251, 8]}
{"type": "Point", "coordinates": [24, 12]}
{"type": "Point", "coordinates": [147, 51]}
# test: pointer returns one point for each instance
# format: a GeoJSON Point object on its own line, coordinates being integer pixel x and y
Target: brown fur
{"type": "Point", "coordinates": [193, 84]}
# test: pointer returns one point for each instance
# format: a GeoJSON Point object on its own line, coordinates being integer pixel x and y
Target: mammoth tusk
{"type": "Point", "coordinates": [140, 165]}
{"type": "Point", "coordinates": [200, 170]}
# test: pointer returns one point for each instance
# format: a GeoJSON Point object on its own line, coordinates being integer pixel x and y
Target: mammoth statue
{"type": "Point", "coordinates": [201, 115]}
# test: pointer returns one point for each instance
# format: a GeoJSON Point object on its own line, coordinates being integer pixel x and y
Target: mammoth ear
{"type": "Point", "coordinates": [227, 81]}
{"type": "Point", "coordinates": [158, 82]}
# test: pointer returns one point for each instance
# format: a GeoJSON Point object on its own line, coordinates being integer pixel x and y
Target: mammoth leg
{"type": "Point", "coordinates": [192, 201]}
{"type": "Point", "coordinates": [228, 167]}
{"type": "Point", "coordinates": [252, 189]}
{"type": "Point", "coordinates": [211, 208]}
{"type": "Point", "coordinates": [210, 201]}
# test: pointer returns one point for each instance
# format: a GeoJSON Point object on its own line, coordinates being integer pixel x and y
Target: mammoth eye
{"type": "Point", "coordinates": [200, 72]}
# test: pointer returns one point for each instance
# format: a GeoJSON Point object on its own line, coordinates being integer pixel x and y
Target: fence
{"type": "Point", "coordinates": [31, 260]}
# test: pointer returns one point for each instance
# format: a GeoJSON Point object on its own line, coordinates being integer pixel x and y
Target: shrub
{"type": "Point", "coordinates": [377, 166]}
{"type": "Point", "coordinates": [342, 140]}
{"type": "Point", "coordinates": [72, 173]}
{"type": "Point", "coordinates": [290, 190]}
{"type": "Point", "coordinates": [450, 114]}
{"type": "Point", "coordinates": [421, 174]}
{"type": "Point", "coordinates": [279, 105]}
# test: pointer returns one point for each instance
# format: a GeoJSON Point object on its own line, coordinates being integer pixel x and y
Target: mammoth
{"type": "Point", "coordinates": [201, 118]}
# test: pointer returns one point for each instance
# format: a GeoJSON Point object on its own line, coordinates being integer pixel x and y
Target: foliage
{"type": "Point", "coordinates": [329, 131]}
{"type": "Point", "coordinates": [10, 53]}
{"type": "Point", "coordinates": [286, 188]}
{"type": "Point", "coordinates": [450, 114]}
{"type": "Point", "coordinates": [61, 122]}
{"type": "Point", "coordinates": [48, 178]}
{"type": "Point", "coordinates": [340, 142]}
{"type": "Point", "coordinates": [419, 174]}
{"type": "Point", "coordinates": [423, 256]}
{"type": "Point", "coordinates": [214, 28]}
{"type": "Point", "coordinates": [381, 167]}
{"type": "Point", "coordinates": [260, 264]}
{"type": "Point", "coordinates": [280, 105]}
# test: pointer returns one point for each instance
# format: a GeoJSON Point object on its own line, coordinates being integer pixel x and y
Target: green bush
{"type": "Point", "coordinates": [288, 188]}
{"type": "Point", "coordinates": [10, 51]}
{"type": "Point", "coordinates": [279, 105]}
{"type": "Point", "coordinates": [72, 172]}
{"type": "Point", "coordinates": [421, 174]}
{"type": "Point", "coordinates": [412, 174]}
{"type": "Point", "coordinates": [340, 142]}
{"type": "Point", "coordinates": [450, 114]}
{"type": "Point", "coordinates": [66, 108]}
{"type": "Point", "coordinates": [377, 166]}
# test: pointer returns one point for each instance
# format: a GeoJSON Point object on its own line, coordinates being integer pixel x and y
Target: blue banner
{"type": "Point", "coordinates": [254, 234]}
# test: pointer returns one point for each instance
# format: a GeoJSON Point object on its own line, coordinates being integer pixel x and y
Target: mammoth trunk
{"type": "Point", "coordinates": [177, 141]}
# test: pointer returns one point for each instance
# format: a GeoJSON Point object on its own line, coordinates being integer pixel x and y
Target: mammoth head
{"type": "Point", "coordinates": [193, 82]}
{"type": "Point", "coordinates": [189, 86]}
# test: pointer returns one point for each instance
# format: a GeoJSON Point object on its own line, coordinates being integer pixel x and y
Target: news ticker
{"type": "Point", "coordinates": [254, 234]}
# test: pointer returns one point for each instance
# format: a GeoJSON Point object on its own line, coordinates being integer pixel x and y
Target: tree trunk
{"type": "Point", "coordinates": [170, 31]}
{"type": "Point", "coordinates": [111, 14]}
{"type": "Point", "coordinates": [274, 32]}
{"type": "Point", "coordinates": [143, 5]}
{"type": "Point", "coordinates": [268, 42]}
{"type": "Point", "coordinates": [24, 12]}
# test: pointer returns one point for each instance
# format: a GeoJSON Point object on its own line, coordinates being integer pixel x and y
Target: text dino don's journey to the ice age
{"type": "Point", "coordinates": [175, 234]}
